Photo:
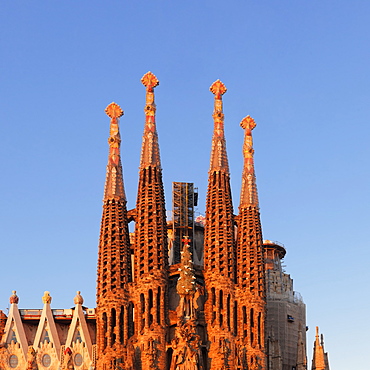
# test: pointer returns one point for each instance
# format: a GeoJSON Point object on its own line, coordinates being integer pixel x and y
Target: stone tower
{"type": "Point", "coordinates": [114, 271]}
{"type": "Point", "coordinates": [286, 314]}
{"type": "Point", "coordinates": [219, 248]}
{"type": "Point", "coordinates": [250, 287]}
{"type": "Point", "coordinates": [150, 247]}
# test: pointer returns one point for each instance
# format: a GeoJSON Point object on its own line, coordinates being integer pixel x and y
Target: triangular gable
{"type": "Point", "coordinates": [14, 328]}
{"type": "Point", "coordinates": [79, 324]}
{"type": "Point", "coordinates": [47, 330]}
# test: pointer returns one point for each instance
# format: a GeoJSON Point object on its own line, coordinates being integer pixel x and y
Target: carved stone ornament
{"type": "Point", "coordinates": [14, 298]}
{"type": "Point", "coordinates": [113, 110]}
{"type": "Point", "coordinates": [78, 298]}
{"type": "Point", "coordinates": [46, 298]}
{"type": "Point", "coordinates": [218, 89]}
{"type": "Point", "coordinates": [248, 123]}
{"type": "Point", "coordinates": [150, 81]}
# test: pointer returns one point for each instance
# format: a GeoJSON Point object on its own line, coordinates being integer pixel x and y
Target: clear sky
{"type": "Point", "coordinates": [299, 68]}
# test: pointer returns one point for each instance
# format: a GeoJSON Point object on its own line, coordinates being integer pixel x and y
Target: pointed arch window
{"type": "Point", "coordinates": [46, 337]}
{"type": "Point", "coordinates": [77, 337]}
{"type": "Point", "coordinates": [13, 337]}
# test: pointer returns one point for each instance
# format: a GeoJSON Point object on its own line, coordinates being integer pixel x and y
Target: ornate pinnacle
{"type": "Point", "coordinates": [114, 181]}
{"type": "Point", "coordinates": [150, 150]}
{"type": "Point", "coordinates": [78, 298]}
{"type": "Point", "coordinates": [249, 189]}
{"type": "Point", "coordinates": [113, 110]}
{"type": "Point", "coordinates": [248, 123]}
{"type": "Point", "coordinates": [218, 89]}
{"type": "Point", "coordinates": [46, 298]}
{"type": "Point", "coordinates": [14, 298]}
{"type": "Point", "coordinates": [150, 81]}
{"type": "Point", "coordinates": [218, 155]}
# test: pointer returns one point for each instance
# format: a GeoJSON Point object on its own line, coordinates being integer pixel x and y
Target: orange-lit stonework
{"type": "Point", "coordinates": [176, 294]}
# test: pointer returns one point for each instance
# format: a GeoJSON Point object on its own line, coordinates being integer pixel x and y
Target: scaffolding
{"type": "Point", "coordinates": [184, 199]}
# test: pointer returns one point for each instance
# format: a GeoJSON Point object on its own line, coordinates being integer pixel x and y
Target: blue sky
{"type": "Point", "coordinates": [299, 68]}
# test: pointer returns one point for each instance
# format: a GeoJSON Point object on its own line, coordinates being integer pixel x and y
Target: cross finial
{"type": "Point", "coordinates": [218, 89]}
{"type": "Point", "coordinates": [248, 123]}
{"type": "Point", "coordinates": [113, 110]}
{"type": "Point", "coordinates": [150, 81]}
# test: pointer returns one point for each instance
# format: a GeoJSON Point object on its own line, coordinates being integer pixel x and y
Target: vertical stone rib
{"type": "Point", "coordinates": [150, 252]}
{"type": "Point", "coordinates": [114, 266]}
{"type": "Point", "coordinates": [219, 249]}
{"type": "Point", "coordinates": [250, 259]}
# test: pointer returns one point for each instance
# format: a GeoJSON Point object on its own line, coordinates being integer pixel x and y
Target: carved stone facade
{"type": "Point", "coordinates": [201, 307]}
{"type": "Point", "coordinates": [49, 339]}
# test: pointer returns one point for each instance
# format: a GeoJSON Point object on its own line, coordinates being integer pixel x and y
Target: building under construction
{"type": "Point", "coordinates": [178, 294]}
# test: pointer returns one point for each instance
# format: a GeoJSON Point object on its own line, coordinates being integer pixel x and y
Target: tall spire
{"type": "Point", "coordinates": [114, 263]}
{"type": "Point", "coordinates": [150, 149]}
{"type": "Point", "coordinates": [219, 231]}
{"type": "Point", "coordinates": [248, 194]}
{"type": "Point", "coordinates": [250, 259]}
{"type": "Point", "coordinates": [219, 248]}
{"type": "Point", "coordinates": [150, 250]}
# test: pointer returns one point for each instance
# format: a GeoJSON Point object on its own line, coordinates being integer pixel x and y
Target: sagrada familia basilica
{"type": "Point", "coordinates": [181, 294]}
